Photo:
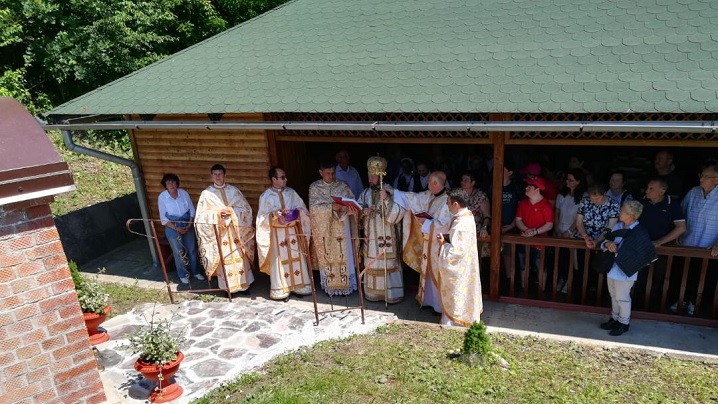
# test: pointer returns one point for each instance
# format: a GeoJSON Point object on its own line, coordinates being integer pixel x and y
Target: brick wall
{"type": "Point", "coordinates": [45, 352]}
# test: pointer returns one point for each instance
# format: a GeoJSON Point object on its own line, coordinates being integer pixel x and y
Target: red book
{"type": "Point", "coordinates": [424, 215]}
{"type": "Point", "coordinates": [348, 202]}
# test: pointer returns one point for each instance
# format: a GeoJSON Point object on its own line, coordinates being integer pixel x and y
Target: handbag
{"type": "Point", "coordinates": [603, 260]}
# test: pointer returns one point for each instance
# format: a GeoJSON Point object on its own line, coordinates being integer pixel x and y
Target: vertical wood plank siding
{"type": "Point", "coordinates": [190, 155]}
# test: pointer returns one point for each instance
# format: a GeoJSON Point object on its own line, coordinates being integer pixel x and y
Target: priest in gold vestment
{"type": "Point", "coordinates": [421, 250]}
{"type": "Point", "coordinates": [383, 279]}
{"type": "Point", "coordinates": [459, 275]}
{"type": "Point", "coordinates": [334, 232]}
{"type": "Point", "coordinates": [224, 205]}
{"type": "Point", "coordinates": [283, 230]}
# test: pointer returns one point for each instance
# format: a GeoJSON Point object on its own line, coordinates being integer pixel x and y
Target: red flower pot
{"type": "Point", "coordinates": [166, 390]}
{"type": "Point", "coordinates": [92, 321]}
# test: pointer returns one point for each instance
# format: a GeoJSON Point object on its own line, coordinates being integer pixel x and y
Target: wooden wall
{"type": "Point", "coordinates": [191, 154]}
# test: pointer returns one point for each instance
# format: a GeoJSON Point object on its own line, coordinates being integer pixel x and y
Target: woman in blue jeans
{"type": "Point", "coordinates": [177, 215]}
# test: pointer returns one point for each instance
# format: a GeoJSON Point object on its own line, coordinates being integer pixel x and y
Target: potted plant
{"type": "Point", "coordinates": [160, 357]}
{"type": "Point", "coordinates": [93, 302]}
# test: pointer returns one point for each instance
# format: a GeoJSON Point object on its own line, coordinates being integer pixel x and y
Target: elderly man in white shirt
{"type": "Point", "coordinates": [350, 175]}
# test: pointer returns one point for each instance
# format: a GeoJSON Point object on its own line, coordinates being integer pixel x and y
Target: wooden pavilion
{"type": "Point", "coordinates": [312, 76]}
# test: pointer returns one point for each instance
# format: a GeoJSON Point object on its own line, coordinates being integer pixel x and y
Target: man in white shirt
{"type": "Point", "coordinates": [350, 175]}
{"type": "Point", "coordinates": [423, 170]}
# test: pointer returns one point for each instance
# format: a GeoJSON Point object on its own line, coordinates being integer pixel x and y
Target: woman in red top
{"type": "Point", "coordinates": [534, 217]}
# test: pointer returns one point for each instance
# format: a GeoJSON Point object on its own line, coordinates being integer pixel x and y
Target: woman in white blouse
{"type": "Point", "coordinates": [177, 215]}
{"type": "Point", "coordinates": [567, 204]}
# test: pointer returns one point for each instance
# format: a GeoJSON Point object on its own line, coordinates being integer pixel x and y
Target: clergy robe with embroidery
{"type": "Point", "coordinates": [421, 249]}
{"type": "Point", "coordinates": [283, 246]}
{"type": "Point", "coordinates": [459, 277]}
{"type": "Point", "coordinates": [333, 237]}
{"type": "Point", "coordinates": [383, 278]}
{"type": "Point", "coordinates": [236, 236]}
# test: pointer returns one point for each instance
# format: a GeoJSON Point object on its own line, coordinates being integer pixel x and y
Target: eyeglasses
{"type": "Point", "coordinates": [283, 177]}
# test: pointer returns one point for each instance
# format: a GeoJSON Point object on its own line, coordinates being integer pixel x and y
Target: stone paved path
{"type": "Point", "coordinates": [227, 339]}
{"type": "Point", "coordinates": [224, 340]}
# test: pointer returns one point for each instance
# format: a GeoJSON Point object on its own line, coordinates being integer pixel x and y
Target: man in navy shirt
{"type": "Point", "coordinates": [665, 221]}
{"type": "Point", "coordinates": [662, 214]}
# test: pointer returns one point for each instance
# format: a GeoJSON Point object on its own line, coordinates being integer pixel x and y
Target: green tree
{"type": "Point", "coordinates": [13, 84]}
{"type": "Point", "coordinates": [69, 47]}
{"type": "Point", "coordinates": [54, 50]}
{"type": "Point", "coordinates": [238, 11]}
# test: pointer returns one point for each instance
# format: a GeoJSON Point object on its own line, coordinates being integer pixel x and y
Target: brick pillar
{"type": "Point", "coordinates": [45, 352]}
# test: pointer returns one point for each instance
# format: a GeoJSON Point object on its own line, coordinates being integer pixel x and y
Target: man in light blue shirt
{"type": "Point", "coordinates": [350, 175]}
{"type": "Point", "coordinates": [701, 208]}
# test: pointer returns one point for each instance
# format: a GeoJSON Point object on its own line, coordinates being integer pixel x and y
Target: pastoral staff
{"type": "Point", "coordinates": [383, 278]}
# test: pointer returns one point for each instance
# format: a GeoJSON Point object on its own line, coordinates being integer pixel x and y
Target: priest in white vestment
{"type": "Point", "coordinates": [223, 207]}
{"type": "Point", "coordinates": [421, 250]}
{"type": "Point", "coordinates": [459, 275]}
{"type": "Point", "coordinates": [334, 233]}
{"type": "Point", "coordinates": [383, 278]}
{"type": "Point", "coordinates": [283, 231]}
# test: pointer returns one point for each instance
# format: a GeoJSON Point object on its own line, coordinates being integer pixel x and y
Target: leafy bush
{"type": "Point", "coordinates": [156, 343]}
{"type": "Point", "coordinates": [90, 293]}
{"type": "Point", "coordinates": [476, 341]}
{"type": "Point", "coordinates": [75, 274]}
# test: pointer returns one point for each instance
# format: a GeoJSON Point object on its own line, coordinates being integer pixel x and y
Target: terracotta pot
{"type": "Point", "coordinates": [92, 321]}
{"type": "Point", "coordinates": [167, 389]}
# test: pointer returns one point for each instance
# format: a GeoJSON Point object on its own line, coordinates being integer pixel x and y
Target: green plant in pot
{"type": "Point", "coordinates": [159, 352]}
{"type": "Point", "coordinates": [93, 302]}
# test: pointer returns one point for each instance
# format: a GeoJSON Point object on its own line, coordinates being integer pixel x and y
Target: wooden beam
{"type": "Point", "coordinates": [497, 194]}
{"type": "Point", "coordinates": [403, 140]}
{"type": "Point", "coordinates": [271, 144]}
{"type": "Point", "coordinates": [612, 142]}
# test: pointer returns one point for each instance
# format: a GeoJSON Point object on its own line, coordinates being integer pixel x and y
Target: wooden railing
{"type": "Point", "coordinates": [588, 293]}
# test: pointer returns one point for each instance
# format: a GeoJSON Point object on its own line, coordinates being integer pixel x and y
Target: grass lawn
{"type": "Point", "coordinates": [409, 363]}
{"type": "Point", "coordinates": [96, 180]}
{"type": "Point", "coordinates": [123, 298]}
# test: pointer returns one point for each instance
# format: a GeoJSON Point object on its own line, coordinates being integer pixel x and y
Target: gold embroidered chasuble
{"type": "Point", "coordinates": [235, 234]}
{"type": "Point", "coordinates": [420, 248]}
{"type": "Point", "coordinates": [383, 276]}
{"type": "Point", "coordinates": [283, 247]}
{"type": "Point", "coordinates": [459, 273]}
{"type": "Point", "coordinates": [333, 237]}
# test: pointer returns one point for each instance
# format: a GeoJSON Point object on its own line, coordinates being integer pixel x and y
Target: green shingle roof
{"type": "Point", "coordinates": [438, 56]}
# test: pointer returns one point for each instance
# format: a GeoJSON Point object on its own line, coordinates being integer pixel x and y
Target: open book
{"type": "Point", "coordinates": [348, 202]}
{"type": "Point", "coordinates": [423, 215]}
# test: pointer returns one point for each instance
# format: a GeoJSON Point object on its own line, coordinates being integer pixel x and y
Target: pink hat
{"type": "Point", "coordinates": [538, 182]}
{"type": "Point", "coordinates": [532, 169]}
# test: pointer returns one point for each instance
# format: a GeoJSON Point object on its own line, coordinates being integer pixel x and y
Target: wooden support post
{"type": "Point", "coordinates": [499, 140]}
